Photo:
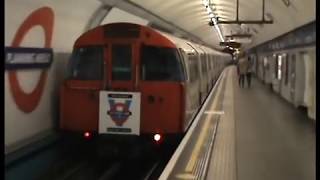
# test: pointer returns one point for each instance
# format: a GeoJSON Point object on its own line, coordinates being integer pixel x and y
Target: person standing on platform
{"type": "Point", "coordinates": [249, 71]}
{"type": "Point", "coordinates": [243, 67]}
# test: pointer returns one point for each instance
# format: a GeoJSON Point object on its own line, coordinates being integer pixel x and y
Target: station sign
{"type": "Point", "coordinates": [300, 37]}
{"type": "Point", "coordinates": [231, 44]}
{"type": "Point", "coordinates": [119, 112]}
{"type": "Point", "coordinates": [28, 58]}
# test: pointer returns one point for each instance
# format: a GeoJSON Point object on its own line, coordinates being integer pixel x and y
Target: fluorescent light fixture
{"type": "Point", "coordinates": [209, 10]}
{"type": "Point", "coordinates": [205, 2]}
{"type": "Point", "coordinates": [219, 32]}
{"type": "Point", "coordinates": [242, 40]}
{"type": "Point", "coordinates": [213, 18]}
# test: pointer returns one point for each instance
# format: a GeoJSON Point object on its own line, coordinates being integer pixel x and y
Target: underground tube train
{"type": "Point", "coordinates": [128, 79]}
{"type": "Point", "coordinates": [287, 65]}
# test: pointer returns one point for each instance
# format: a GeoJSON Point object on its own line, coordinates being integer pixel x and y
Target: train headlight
{"type": "Point", "coordinates": [157, 137]}
{"type": "Point", "coordinates": [87, 135]}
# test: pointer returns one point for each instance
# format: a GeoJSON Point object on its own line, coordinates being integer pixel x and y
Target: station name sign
{"type": "Point", "coordinates": [27, 58]}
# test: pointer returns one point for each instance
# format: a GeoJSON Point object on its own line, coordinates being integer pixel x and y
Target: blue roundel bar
{"type": "Point", "coordinates": [28, 58]}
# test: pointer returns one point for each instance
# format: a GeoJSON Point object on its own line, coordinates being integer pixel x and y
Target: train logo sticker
{"type": "Point", "coordinates": [119, 112]}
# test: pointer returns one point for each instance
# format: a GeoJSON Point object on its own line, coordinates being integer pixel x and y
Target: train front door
{"type": "Point", "coordinates": [122, 69]}
{"type": "Point", "coordinates": [119, 105]}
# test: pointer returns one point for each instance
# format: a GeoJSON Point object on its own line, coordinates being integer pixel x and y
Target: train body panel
{"type": "Point", "coordinates": [161, 111]}
{"type": "Point", "coordinates": [193, 77]}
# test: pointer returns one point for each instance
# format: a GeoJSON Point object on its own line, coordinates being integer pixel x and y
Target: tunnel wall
{"type": "Point", "coordinates": [22, 128]}
{"type": "Point", "coordinates": [22, 19]}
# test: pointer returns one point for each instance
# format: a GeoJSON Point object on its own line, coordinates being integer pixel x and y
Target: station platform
{"type": "Point", "coordinates": [245, 134]}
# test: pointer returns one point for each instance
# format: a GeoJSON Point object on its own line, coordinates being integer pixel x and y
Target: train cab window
{"type": "Point", "coordinates": [86, 64]}
{"type": "Point", "coordinates": [121, 62]}
{"type": "Point", "coordinates": [160, 64]}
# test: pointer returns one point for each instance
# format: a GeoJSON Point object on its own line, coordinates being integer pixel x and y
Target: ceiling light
{"type": "Point", "coordinates": [205, 2]}
{"type": "Point", "coordinates": [209, 10]}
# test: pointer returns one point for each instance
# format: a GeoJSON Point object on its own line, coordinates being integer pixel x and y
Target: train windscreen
{"type": "Point", "coordinates": [121, 62]}
{"type": "Point", "coordinates": [160, 64]}
{"type": "Point", "coordinates": [86, 64]}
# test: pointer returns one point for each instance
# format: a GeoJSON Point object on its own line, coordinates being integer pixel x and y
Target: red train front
{"type": "Point", "coordinates": [116, 68]}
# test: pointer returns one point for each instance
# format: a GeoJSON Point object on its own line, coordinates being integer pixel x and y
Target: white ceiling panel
{"type": "Point", "coordinates": [191, 16]}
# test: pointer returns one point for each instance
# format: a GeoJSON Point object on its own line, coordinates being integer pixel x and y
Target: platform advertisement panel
{"type": "Point", "coordinates": [119, 113]}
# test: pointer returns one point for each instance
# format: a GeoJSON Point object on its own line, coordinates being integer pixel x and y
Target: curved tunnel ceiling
{"type": "Point", "coordinates": [191, 16]}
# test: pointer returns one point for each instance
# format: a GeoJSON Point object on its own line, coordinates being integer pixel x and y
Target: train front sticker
{"type": "Point", "coordinates": [119, 112]}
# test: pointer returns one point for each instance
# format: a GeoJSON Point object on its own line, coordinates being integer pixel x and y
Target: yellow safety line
{"type": "Point", "coordinates": [203, 134]}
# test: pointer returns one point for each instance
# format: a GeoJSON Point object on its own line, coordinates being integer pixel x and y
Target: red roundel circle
{"type": "Point", "coordinates": [44, 17]}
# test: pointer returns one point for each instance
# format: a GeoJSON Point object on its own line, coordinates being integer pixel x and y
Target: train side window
{"type": "Point", "coordinates": [86, 63]}
{"type": "Point", "coordinates": [121, 62]}
{"type": "Point", "coordinates": [286, 61]}
{"type": "Point", "coordinates": [276, 66]}
{"type": "Point", "coordinates": [212, 62]}
{"type": "Point", "coordinates": [293, 64]}
{"type": "Point", "coordinates": [160, 64]}
{"type": "Point", "coordinates": [208, 62]}
{"type": "Point", "coordinates": [279, 65]}
{"type": "Point", "coordinates": [203, 64]}
{"type": "Point", "coordinates": [191, 69]}
{"type": "Point", "coordinates": [194, 69]}
{"type": "Point", "coordinates": [265, 62]}
{"type": "Point", "coordinates": [180, 53]}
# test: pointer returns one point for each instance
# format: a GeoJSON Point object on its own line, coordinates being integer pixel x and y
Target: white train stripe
{"type": "Point", "coordinates": [169, 167]}
{"type": "Point", "coordinates": [214, 112]}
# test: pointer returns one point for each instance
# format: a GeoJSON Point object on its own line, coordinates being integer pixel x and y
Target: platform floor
{"type": "Point", "coordinates": [261, 137]}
